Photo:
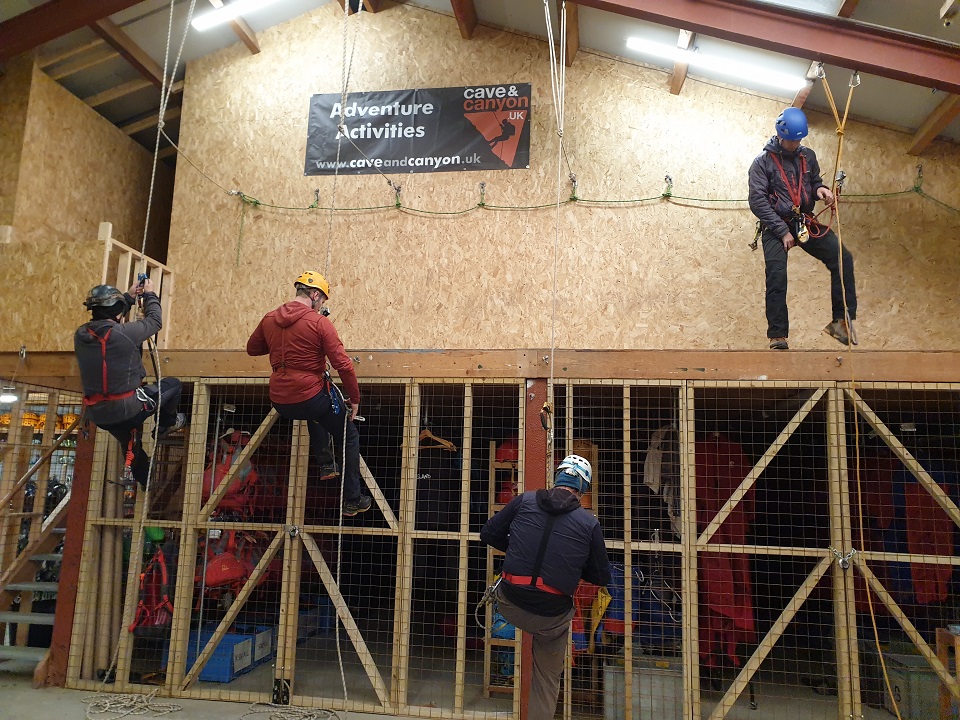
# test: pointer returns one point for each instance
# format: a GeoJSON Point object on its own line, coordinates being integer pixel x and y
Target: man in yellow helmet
{"type": "Point", "coordinates": [299, 340]}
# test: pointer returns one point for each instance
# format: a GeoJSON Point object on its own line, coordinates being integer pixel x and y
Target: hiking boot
{"type": "Point", "coordinates": [329, 472]}
{"type": "Point", "coordinates": [839, 330]}
{"type": "Point", "coordinates": [779, 344]}
{"type": "Point", "coordinates": [355, 507]}
{"type": "Point", "coordinates": [180, 422]}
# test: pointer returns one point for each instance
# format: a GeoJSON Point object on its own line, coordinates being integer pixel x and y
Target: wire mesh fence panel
{"type": "Point", "coordinates": [730, 511]}
{"type": "Point", "coordinates": [764, 473]}
{"type": "Point", "coordinates": [904, 459]}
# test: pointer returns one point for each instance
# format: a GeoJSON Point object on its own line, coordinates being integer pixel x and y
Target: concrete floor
{"type": "Point", "coordinates": [20, 701]}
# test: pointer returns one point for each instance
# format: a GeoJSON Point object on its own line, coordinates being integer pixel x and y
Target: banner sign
{"type": "Point", "coordinates": [428, 130]}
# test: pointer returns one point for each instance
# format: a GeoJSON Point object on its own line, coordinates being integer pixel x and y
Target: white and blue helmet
{"type": "Point", "coordinates": [574, 472]}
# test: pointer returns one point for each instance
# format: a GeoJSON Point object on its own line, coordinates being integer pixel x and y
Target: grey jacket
{"type": "Point", "coordinates": [119, 359]}
{"type": "Point", "coordinates": [769, 198]}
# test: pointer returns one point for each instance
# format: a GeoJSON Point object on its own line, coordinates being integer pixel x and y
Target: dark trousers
{"type": "Point", "coordinates": [826, 250]}
{"type": "Point", "coordinates": [168, 396]}
{"type": "Point", "coordinates": [321, 422]}
{"type": "Point", "coordinates": [549, 650]}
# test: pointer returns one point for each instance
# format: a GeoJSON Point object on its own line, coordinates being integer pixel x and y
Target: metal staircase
{"type": "Point", "coordinates": [33, 514]}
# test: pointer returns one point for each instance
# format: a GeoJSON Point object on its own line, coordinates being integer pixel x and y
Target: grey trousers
{"type": "Point", "coordinates": [549, 648]}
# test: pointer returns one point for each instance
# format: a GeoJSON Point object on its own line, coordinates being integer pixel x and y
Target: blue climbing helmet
{"type": "Point", "coordinates": [574, 472]}
{"type": "Point", "coordinates": [792, 124]}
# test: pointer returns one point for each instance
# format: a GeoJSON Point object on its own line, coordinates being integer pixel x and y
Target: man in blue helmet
{"type": "Point", "coordinates": [550, 543]}
{"type": "Point", "coordinates": [785, 184]}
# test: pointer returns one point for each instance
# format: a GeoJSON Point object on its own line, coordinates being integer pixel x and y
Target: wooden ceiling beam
{"type": "Point", "coordinates": [466, 14]}
{"type": "Point", "coordinates": [680, 69]}
{"type": "Point", "coordinates": [838, 41]}
{"type": "Point", "coordinates": [847, 9]}
{"type": "Point", "coordinates": [132, 128]}
{"type": "Point", "coordinates": [573, 31]}
{"type": "Point", "coordinates": [51, 20]}
{"type": "Point", "coordinates": [116, 38]}
{"type": "Point", "coordinates": [83, 63]}
{"type": "Point", "coordinates": [242, 30]}
{"type": "Point", "coordinates": [127, 88]}
{"type": "Point", "coordinates": [945, 113]}
{"type": "Point", "coordinates": [47, 61]}
{"type": "Point", "coordinates": [114, 93]}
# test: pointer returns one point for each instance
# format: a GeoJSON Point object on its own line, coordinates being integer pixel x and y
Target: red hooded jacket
{"type": "Point", "coordinates": [299, 341]}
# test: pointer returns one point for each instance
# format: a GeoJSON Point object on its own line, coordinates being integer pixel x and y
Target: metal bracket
{"type": "Point", "coordinates": [844, 559]}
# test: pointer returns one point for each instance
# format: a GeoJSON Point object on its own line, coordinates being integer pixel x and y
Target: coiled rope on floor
{"type": "Point", "coordinates": [289, 712]}
{"type": "Point", "coordinates": [122, 705]}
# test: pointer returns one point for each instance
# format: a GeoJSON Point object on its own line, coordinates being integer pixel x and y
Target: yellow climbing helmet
{"type": "Point", "coordinates": [313, 279]}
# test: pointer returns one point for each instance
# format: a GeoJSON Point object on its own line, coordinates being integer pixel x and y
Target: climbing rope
{"type": "Point", "coordinates": [558, 77]}
{"type": "Point", "coordinates": [289, 712]}
{"type": "Point", "coordinates": [140, 704]}
{"type": "Point", "coordinates": [123, 705]}
{"type": "Point", "coordinates": [836, 189]}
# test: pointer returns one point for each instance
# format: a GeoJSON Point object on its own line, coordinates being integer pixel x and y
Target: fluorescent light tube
{"type": "Point", "coordinates": [752, 74]}
{"type": "Point", "coordinates": [8, 395]}
{"type": "Point", "coordinates": [228, 13]}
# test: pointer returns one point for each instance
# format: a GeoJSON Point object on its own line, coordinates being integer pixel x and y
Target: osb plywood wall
{"type": "Point", "coordinates": [76, 171]}
{"type": "Point", "coordinates": [14, 93]}
{"type": "Point", "coordinates": [657, 275]}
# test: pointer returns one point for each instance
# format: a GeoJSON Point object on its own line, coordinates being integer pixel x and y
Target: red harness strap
{"type": "Point", "coordinates": [526, 581]}
{"type": "Point", "coordinates": [105, 395]}
{"type": "Point", "coordinates": [795, 193]}
{"type": "Point", "coordinates": [817, 229]}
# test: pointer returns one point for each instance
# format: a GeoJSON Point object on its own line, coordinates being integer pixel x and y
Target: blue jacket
{"type": "Point", "coordinates": [575, 548]}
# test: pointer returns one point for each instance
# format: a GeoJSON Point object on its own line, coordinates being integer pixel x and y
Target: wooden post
{"type": "Point", "coordinates": [627, 549]}
{"type": "Point", "coordinates": [689, 560]}
{"type": "Point", "coordinates": [85, 631]}
{"type": "Point", "coordinates": [535, 455]}
{"type": "Point", "coordinates": [403, 601]}
{"type": "Point", "coordinates": [845, 616]}
{"type": "Point", "coordinates": [187, 553]}
{"type": "Point", "coordinates": [466, 442]}
{"type": "Point", "coordinates": [292, 553]}
{"type": "Point", "coordinates": [64, 650]}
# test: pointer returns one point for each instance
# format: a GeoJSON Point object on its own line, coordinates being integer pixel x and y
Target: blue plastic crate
{"type": "Point", "coordinates": [231, 658]}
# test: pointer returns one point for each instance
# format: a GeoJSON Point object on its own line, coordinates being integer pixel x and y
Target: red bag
{"type": "Point", "coordinates": [154, 613]}
{"type": "Point", "coordinates": [241, 499]}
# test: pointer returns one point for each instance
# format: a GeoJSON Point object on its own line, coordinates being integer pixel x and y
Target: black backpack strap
{"type": "Point", "coordinates": [542, 550]}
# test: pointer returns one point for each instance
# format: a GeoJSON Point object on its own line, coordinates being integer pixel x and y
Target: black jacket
{"type": "Point", "coordinates": [769, 198]}
{"type": "Point", "coordinates": [124, 361]}
{"type": "Point", "coordinates": [575, 548]}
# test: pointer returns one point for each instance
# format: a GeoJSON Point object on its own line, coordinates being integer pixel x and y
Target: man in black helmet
{"type": "Point", "coordinates": [785, 184]}
{"type": "Point", "coordinates": [111, 369]}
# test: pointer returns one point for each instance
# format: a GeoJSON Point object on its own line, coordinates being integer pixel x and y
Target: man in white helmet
{"type": "Point", "coordinates": [299, 340]}
{"type": "Point", "coordinates": [550, 544]}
